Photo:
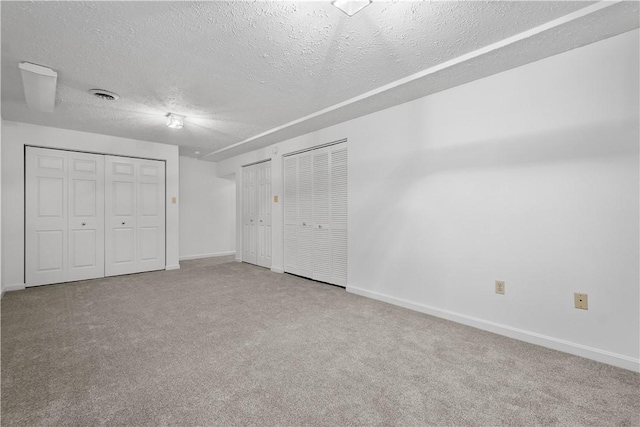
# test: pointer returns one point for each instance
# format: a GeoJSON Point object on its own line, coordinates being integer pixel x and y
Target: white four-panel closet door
{"type": "Point", "coordinates": [71, 197]}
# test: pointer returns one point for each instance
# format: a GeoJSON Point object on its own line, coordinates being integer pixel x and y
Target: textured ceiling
{"type": "Point", "coordinates": [241, 70]}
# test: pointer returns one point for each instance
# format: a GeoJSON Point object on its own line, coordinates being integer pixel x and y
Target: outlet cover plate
{"type": "Point", "coordinates": [500, 287]}
{"type": "Point", "coordinates": [581, 301]}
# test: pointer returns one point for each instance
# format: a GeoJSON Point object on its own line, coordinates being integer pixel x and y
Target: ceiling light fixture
{"type": "Point", "coordinates": [351, 7]}
{"type": "Point", "coordinates": [39, 86]}
{"type": "Point", "coordinates": [175, 121]}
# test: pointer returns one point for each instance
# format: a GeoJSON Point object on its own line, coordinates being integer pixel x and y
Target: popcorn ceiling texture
{"type": "Point", "coordinates": [238, 69]}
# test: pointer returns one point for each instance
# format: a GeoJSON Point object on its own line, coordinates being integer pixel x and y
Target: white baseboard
{"type": "Point", "coordinates": [172, 267]}
{"type": "Point", "coordinates": [596, 354]}
{"type": "Point", "coordinates": [238, 259]}
{"type": "Point", "coordinates": [277, 269]}
{"type": "Point", "coordinates": [200, 256]}
{"type": "Point", "coordinates": [16, 287]}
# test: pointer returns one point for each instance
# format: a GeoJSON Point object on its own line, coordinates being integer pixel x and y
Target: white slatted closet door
{"type": "Point", "coordinates": [291, 215]}
{"type": "Point", "coordinates": [315, 214]}
{"type": "Point", "coordinates": [339, 211]}
{"type": "Point", "coordinates": [321, 216]}
{"type": "Point", "coordinates": [305, 215]}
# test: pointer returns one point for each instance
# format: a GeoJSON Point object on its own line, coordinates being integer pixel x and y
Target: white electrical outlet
{"type": "Point", "coordinates": [500, 287]}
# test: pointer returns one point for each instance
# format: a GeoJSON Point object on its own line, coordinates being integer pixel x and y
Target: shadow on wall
{"type": "Point", "coordinates": [584, 143]}
{"type": "Point", "coordinates": [423, 186]}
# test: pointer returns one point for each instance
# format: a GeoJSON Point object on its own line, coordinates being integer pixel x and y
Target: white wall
{"type": "Point", "coordinates": [529, 176]}
{"type": "Point", "coordinates": [14, 138]}
{"type": "Point", "coordinates": [207, 211]}
{"type": "Point", "coordinates": [1, 231]}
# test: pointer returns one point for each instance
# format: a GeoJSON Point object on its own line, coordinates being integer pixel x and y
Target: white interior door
{"type": "Point", "coordinates": [249, 215]}
{"type": "Point", "coordinates": [321, 221]}
{"type": "Point", "coordinates": [64, 216]}
{"type": "Point", "coordinates": [89, 216]}
{"type": "Point", "coordinates": [315, 214]}
{"type": "Point", "coordinates": [150, 220]}
{"type": "Point", "coordinates": [135, 215]}
{"type": "Point", "coordinates": [290, 203]}
{"type": "Point", "coordinates": [339, 211]}
{"type": "Point", "coordinates": [86, 216]}
{"type": "Point", "coordinates": [46, 242]}
{"type": "Point", "coordinates": [120, 220]}
{"type": "Point", "coordinates": [305, 215]}
{"type": "Point", "coordinates": [264, 213]}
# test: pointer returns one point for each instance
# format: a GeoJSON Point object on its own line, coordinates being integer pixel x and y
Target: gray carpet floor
{"type": "Point", "coordinates": [225, 343]}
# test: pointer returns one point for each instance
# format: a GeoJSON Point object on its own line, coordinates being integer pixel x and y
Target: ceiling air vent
{"type": "Point", "coordinates": [104, 94]}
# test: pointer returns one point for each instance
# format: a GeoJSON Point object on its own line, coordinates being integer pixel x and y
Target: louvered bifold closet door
{"type": "Point", "coordinates": [321, 220]}
{"type": "Point", "coordinates": [291, 215]}
{"type": "Point", "coordinates": [305, 215]}
{"type": "Point", "coordinates": [315, 214]}
{"type": "Point", "coordinates": [339, 204]}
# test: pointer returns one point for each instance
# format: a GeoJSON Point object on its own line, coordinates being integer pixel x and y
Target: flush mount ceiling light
{"type": "Point", "coordinates": [175, 121]}
{"type": "Point", "coordinates": [351, 7]}
{"type": "Point", "coordinates": [39, 86]}
{"type": "Point", "coordinates": [104, 94]}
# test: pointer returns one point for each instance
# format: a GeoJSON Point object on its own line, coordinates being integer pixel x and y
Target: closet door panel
{"type": "Point", "coordinates": [291, 214]}
{"type": "Point", "coordinates": [46, 207]}
{"type": "Point", "coordinates": [150, 218]}
{"type": "Point", "coordinates": [339, 214]}
{"type": "Point", "coordinates": [315, 214]}
{"type": "Point", "coordinates": [305, 250]}
{"type": "Point", "coordinates": [305, 214]}
{"type": "Point", "coordinates": [263, 192]}
{"type": "Point", "coordinates": [123, 246]}
{"type": "Point", "coordinates": [86, 216]}
{"type": "Point", "coordinates": [120, 220]}
{"type": "Point", "coordinates": [321, 230]}
{"type": "Point", "coordinates": [249, 227]}
{"type": "Point", "coordinates": [305, 189]}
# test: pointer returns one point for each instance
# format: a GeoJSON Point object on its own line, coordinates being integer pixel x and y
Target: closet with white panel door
{"type": "Point", "coordinates": [315, 214]}
{"type": "Point", "coordinates": [89, 216]}
{"type": "Point", "coordinates": [256, 214]}
{"type": "Point", "coordinates": [64, 216]}
{"type": "Point", "coordinates": [135, 215]}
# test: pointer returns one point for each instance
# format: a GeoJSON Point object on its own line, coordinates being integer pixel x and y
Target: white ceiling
{"type": "Point", "coordinates": [248, 74]}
